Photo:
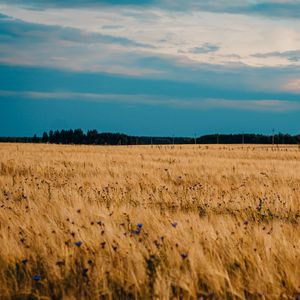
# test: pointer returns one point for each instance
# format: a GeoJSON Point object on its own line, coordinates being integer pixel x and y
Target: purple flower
{"type": "Point", "coordinates": [24, 261]}
{"type": "Point", "coordinates": [138, 228]}
{"type": "Point", "coordinates": [60, 263]}
{"type": "Point", "coordinates": [37, 278]}
{"type": "Point", "coordinates": [184, 255]}
{"type": "Point", "coordinates": [78, 243]}
{"type": "Point", "coordinates": [84, 272]}
{"type": "Point", "coordinates": [174, 224]}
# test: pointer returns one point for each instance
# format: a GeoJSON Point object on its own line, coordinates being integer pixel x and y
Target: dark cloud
{"type": "Point", "coordinates": [3, 16]}
{"type": "Point", "coordinates": [17, 31]}
{"type": "Point", "coordinates": [112, 26]}
{"type": "Point", "coordinates": [292, 56]}
{"type": "Point", "coordinates": [286, 9]}
{"type": "Point", "coordinates": [75, 3]}
{"type": "Point", "coordinates": [210, 83]}
{"type": "Point", "coordinates": [273, 9]}
{"type": "Point", "coordinates": [206, 48]}
{"type": "Point", "coordinates": [264, 8]}
{"type": "Point", "coordinates": [40, 45]}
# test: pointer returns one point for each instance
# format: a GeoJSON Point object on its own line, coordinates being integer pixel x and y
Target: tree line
{"type": "Point", "coordinates": [93, 137]}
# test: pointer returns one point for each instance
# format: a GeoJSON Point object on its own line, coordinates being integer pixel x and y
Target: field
{"type": "Point", "coordinates": [149, 222]}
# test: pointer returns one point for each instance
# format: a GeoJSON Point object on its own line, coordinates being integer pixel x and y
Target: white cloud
{"type": "Point", "coordinates": [175, 33]}
{"type": "Point", "coordinates": [292, 85]}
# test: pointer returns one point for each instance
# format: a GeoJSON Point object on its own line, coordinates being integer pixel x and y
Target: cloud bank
{"type": "Point", "coordinates": [191, 57]}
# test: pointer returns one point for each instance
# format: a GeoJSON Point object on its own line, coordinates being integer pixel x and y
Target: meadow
{"type": "Point", "coordinates": [149, 222]}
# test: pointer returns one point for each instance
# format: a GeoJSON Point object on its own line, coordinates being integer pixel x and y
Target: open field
{"type": "Point", "coordinates": [215, 222]}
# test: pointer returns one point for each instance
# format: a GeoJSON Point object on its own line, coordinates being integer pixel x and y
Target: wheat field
{"type": "Point", "coordinates": [149, 222]}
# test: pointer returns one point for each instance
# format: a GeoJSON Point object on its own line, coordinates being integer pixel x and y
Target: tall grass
{"type": "Point", "coordinates": [142, 222]}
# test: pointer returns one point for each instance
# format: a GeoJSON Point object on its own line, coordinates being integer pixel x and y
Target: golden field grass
{"type": "Point", "coordinates": [217, 222]}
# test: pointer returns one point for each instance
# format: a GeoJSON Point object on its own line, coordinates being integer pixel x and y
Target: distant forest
{"type": "Point", "coordinates": [93, 137]}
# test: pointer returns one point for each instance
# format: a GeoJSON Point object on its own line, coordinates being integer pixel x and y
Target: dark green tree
{"type": "Point", "coordinates": [45, 138]}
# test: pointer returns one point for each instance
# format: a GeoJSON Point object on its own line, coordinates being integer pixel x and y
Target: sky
{"type": "Point", "coordinates": [152, 67]}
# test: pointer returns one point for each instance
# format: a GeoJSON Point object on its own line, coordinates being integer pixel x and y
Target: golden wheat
{"type": "Point", "coordinates": [146, 222]}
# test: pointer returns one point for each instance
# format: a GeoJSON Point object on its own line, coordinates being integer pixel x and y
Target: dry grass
{"type": "Point", "coordinates": [237, 211]}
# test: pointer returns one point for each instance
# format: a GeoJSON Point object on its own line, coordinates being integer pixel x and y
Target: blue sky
{"type": "Point", "coordinates": [150, 67]}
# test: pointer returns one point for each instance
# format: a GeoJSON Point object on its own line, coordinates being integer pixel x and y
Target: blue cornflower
{"type": "Point", "coordinates": [174, 224]}
{"type": "Point", "coordinates": [24, 261]}
{"type": "Point", "coordinates": [78, 243]}
{"type": "Point", "coordinates": [37, 278]}
{"type": "Point", "coordinates": [137, 231]}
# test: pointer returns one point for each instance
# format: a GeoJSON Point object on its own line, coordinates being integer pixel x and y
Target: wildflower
{"type": "Point", "coordinates": [78, 243]}
{"type": "Point", "coordinates": [37, 278]}
{"type": "Point", "coordinates": [157, 244]}
{"type": "Point", "coordinates": [184, 255]}
{"type": "Point", "coordinates": [24, 261]}
{"type": "Point", "coordinates": [174, 224]}
{"type": "Point", "coordinates": [60, 263]}
{"type": "Point", "coordinates": [138, 229]}
{"type": "Point", "coordinates": [297, 296]}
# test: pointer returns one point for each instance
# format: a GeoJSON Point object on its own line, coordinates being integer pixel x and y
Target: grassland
{"type": "Point", "coordinates": [142, 222]}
